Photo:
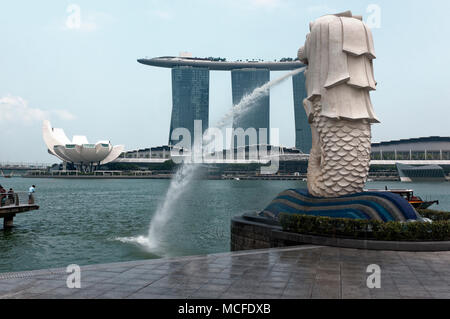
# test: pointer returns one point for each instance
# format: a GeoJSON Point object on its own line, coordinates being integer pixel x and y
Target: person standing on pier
{"type": "Point", "coordinates": [11, 196]}
{"type": "Point", "coordinates": [31, 191]}
{"type": "Point", "coordinates": [2, 195]}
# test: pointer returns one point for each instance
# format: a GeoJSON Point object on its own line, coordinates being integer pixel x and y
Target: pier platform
{"type": "Point", "coordinates": [304, 272]}
{"type": "Point", "coordinates": [20, 203]}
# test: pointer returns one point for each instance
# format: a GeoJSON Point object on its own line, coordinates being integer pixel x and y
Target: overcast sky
{"type": "Point", "coordinates": [85, 78]}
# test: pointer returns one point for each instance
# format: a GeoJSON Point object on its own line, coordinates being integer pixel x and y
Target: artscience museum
{"type": "Point", "coordinates": [78, 151]}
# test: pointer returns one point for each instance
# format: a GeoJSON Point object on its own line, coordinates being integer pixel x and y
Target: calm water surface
{"type": "Point", "coordinates": [80, 221]}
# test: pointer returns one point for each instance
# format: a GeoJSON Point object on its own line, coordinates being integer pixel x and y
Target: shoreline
{"type": "Point", "coordinates": [228, 177]}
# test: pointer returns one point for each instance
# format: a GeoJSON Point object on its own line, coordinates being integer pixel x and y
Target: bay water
{"type": "Point", "coordinates": [83, 221]}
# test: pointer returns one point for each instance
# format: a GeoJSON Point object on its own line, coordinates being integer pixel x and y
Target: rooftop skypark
{"type": "Point", "coordinates": [221, 64]}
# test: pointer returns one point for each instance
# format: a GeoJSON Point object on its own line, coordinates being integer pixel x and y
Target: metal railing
{"type": "Point", "coordinates": [16, 199]}
{"type": "Point", "coordinates": [23, 165]}
{"type": "Point", "coordinates": [73, 173]}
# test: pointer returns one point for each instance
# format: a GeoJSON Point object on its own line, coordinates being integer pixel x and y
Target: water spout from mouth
{"type": "Point", "coordinates": [153, 242]}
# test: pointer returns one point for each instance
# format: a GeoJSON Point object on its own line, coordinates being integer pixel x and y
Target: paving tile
{"type": "Point", "coordinates": [190, 285]}
{"type": "Point", "coordinates": [326, 289]}
{"type": "Point", "coordinates": [270, 291]}
{"type": "Point", "coordinates": [24, 295]}
{"type": "Point", "coordinates": [440, 295]}
{"type": "Point", "coordinates": [44, 286]}
{"type": "Point", "coordinates": [215, 288]}
{"type": "Point", "coordinates": [294, 273]}
{"type": "Point", "coordinates": [205, 294]}
{"type": "Point", "coordinates": [302, 292]}
{"type": "Point", "coordinates": [141, 295]}
{"type": "Point", "coordinates": [236, 295]}
{"type": "Point", "coordinates": [60, 293]}
{"type": "Point", "coordinates": [355, 292]}
{"type": "Point", "coordinates": [114, 294]}
{"type": "Point", "coordinates": [220, 281]}
{"type": "Point", "coordinates": [273, 284]}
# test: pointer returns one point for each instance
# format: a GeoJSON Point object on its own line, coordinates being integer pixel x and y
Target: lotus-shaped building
{"type": "Point", "coordinates": [79, 151]}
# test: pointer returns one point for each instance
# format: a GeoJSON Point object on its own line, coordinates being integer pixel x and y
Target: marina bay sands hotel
{"type": "Point", "coordinates": [190, 93]}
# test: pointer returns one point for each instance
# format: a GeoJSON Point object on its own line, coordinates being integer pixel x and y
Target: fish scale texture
{"type": "Point", "coordinates": [339, 163]}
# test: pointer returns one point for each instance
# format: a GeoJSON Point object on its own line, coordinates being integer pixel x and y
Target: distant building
{"type": "Point", "coordinates": [245, 158]}
{"type": "Point", "coordinates": [79, 152]}
{"type": "Point", "coordinates": [409, 173]}
{"type": "Point", "coordinates": [415, 159]}
{"type": "Point", "coordinates": [190, 99]}
{"type": "Point", "coordinates": [243, 83]}
{"type": "Point", "coordinates": [161, 153]}
{"type": "Point", "coordinates": [433, 148]}
{"type": "Point", "coordinates": [190, 92]}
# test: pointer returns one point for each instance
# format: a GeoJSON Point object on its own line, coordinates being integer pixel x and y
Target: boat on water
{"type": "Point", "coordinates": [7, 176]}
{"type": "Point", "coordinates": [408, 194]}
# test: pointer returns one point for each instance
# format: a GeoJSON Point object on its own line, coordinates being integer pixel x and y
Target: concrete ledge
{"type": "Point", "coordinates": [251, 234]}
{"type": "Point", "coordinates": [12, 210]}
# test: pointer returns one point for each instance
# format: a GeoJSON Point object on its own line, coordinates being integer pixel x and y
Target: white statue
{"type": "Point", "coordinates": [339, 52]}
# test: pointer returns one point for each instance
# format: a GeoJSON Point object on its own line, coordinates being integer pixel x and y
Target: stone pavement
{"type": "Point", "coordinates": [292, 273]}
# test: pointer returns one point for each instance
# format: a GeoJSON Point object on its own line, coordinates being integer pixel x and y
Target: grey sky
{"type": "Point", "coordinates": [87, 81]}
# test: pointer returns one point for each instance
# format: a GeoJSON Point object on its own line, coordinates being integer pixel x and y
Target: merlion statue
{"type": "Point", "coordinates": [338, 53]}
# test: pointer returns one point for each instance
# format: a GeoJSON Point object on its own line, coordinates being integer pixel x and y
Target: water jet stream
{"type": "Point", "coordinates": [186, 173]}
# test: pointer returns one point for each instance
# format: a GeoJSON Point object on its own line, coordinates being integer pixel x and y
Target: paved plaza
{"type": "Point", "coordinates": [303, 272]}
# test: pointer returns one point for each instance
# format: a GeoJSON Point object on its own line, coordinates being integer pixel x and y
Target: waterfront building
{"type": "Point", "coordinates": [79, 152]}
{"type": "Point", "coordinates": [434, 148]}
{"type": "Point", "coordinates": [293, 160]}
{"type": "Point", "coordinates": [244, 82]}
{"type": "Point", "coordinates": [414, 159]}
{"type": "Point", "coordinates": [190, 104]}
{"type": "Point", "coordinates": [409, 173]}
{"type": "Point", "coordinates": [161, 153]}
{"type": "Point", "coordinates": [190, 99]}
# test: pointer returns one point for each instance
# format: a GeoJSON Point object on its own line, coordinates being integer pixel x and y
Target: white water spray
{"type": "Point", "coordinates": [248, 101]}
{"type": "Point", "coordinates": [153, 242]}
{"type": "Point", "coordinates": [186, 173]}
